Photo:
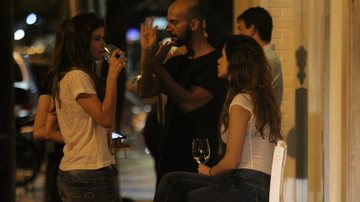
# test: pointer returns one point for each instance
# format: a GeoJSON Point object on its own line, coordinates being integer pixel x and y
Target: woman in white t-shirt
{"type": "Point", "coordinates": [85, 109]}
{"type": "Point", "coordinates": [250, 127]}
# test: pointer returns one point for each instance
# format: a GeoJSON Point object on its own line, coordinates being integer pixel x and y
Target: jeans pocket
{"type": "Point", "coordinates": [76, 186]}
{"type": "Point", "coordinates": [81, 191]}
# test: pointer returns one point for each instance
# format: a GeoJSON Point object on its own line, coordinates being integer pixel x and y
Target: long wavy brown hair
{"type": "Point", "coordinates": [249, 72]}
{"type": "Point", "coordinates": [72, 50]}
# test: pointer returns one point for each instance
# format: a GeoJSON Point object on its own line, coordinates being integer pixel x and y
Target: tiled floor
{"type": "Point", "coordinates": [136, 175]}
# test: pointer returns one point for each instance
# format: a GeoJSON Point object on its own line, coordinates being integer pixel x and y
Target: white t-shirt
{"type": "Point", "coordinates": [86, 146]}
{"type": "Point", "coordinates": [257, 152]}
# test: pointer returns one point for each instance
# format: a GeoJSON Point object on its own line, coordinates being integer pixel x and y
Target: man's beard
{"type": "Point", "coordinates": [184, 39]}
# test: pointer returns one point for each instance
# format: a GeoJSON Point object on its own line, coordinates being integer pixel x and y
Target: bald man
{"type": "Point", "coordinates": [195, 93]}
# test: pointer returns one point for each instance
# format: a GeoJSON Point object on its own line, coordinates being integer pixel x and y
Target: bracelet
{"type": "Point", "coordinates": [210, 171]}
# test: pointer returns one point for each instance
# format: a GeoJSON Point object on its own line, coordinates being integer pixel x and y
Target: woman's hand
{"type": "Point", "coordinates": [203, 169]}
{"type": "Point", "coordinates": [117, 63]}
{"type": "Point", "coordinates": [148, 35]}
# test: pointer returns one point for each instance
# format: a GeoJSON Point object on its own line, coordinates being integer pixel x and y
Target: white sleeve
{"type": "Point", "coordinates": [244, 100]}
{"type": "Point", "coordinates": [80, 82]}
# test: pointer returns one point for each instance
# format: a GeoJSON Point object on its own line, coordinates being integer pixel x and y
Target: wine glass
{"type": "Point", "coordinates": [201, 150]}
{"type": "Point", "coordinates": [109, 49]}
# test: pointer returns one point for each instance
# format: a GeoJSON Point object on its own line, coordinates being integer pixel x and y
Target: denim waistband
{"type": "Point", "coordinates": [251, 178]}
{"type": "Point", "coordinates": [75, 172]}
{"type": "Point", "coordinates": [251, 173]}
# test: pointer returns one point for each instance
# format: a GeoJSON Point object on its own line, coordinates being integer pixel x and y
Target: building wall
{"type": "Point", "coordinates": [286, 43]}
{"type": "Point", "coordinates": [335, 102]}
{"type": "Point", "coordinates": [354, 106]}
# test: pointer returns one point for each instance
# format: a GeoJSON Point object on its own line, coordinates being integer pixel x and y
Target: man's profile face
{"type": "Point", "coordinates": [243, 29]}
{"type": "Point", "coordinates": [178, 27]}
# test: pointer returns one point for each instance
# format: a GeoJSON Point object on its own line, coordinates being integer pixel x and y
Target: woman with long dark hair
{"type": "Point", "coordinates": [85, 110]}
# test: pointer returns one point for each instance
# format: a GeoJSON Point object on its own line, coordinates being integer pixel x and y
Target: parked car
{"type": "Point", "coordinates": [29, 152]}
{"type": "Point", "coordinates": [26, 90]}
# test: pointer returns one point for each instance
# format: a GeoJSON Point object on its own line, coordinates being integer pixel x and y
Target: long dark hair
{"type": "Point", "coordinates": [72, 50]}
{"type": "Point", "coordinates": [249, 72]}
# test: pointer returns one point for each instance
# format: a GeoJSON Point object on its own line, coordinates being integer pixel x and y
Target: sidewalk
{"type": "Point", "coordinates": [136, 172]}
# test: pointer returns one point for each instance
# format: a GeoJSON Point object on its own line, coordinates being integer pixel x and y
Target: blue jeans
{"type": "Point", "coordinates": [242, 185]}
{"type": "Point", "coordinates": [88, 185]}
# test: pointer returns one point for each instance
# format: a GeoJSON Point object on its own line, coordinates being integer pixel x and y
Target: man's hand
{"type": "Point", "coordinates": [148, 35]}
{"type": "Point", "coordinates": [161, 54]}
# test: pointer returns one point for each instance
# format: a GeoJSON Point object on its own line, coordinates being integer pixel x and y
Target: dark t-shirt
{"type": "Point", "coordinates": [181, 127]}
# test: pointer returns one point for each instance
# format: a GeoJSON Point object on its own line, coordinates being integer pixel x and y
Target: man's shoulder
{"type": "Point", "coordinates": [269, 51]}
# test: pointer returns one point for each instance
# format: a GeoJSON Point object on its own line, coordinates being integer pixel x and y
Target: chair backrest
{"type": "Point", "coordinates": [277, 172]}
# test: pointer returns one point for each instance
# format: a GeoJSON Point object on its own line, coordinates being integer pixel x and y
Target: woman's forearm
{"type": "Point", "coordinates": [109, 104]}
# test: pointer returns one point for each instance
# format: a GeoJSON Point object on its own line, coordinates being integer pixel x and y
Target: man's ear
{"type": "Point", "coordinates": [195, 24]}
{"type": "Point", "coordinates": [253, 30]}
